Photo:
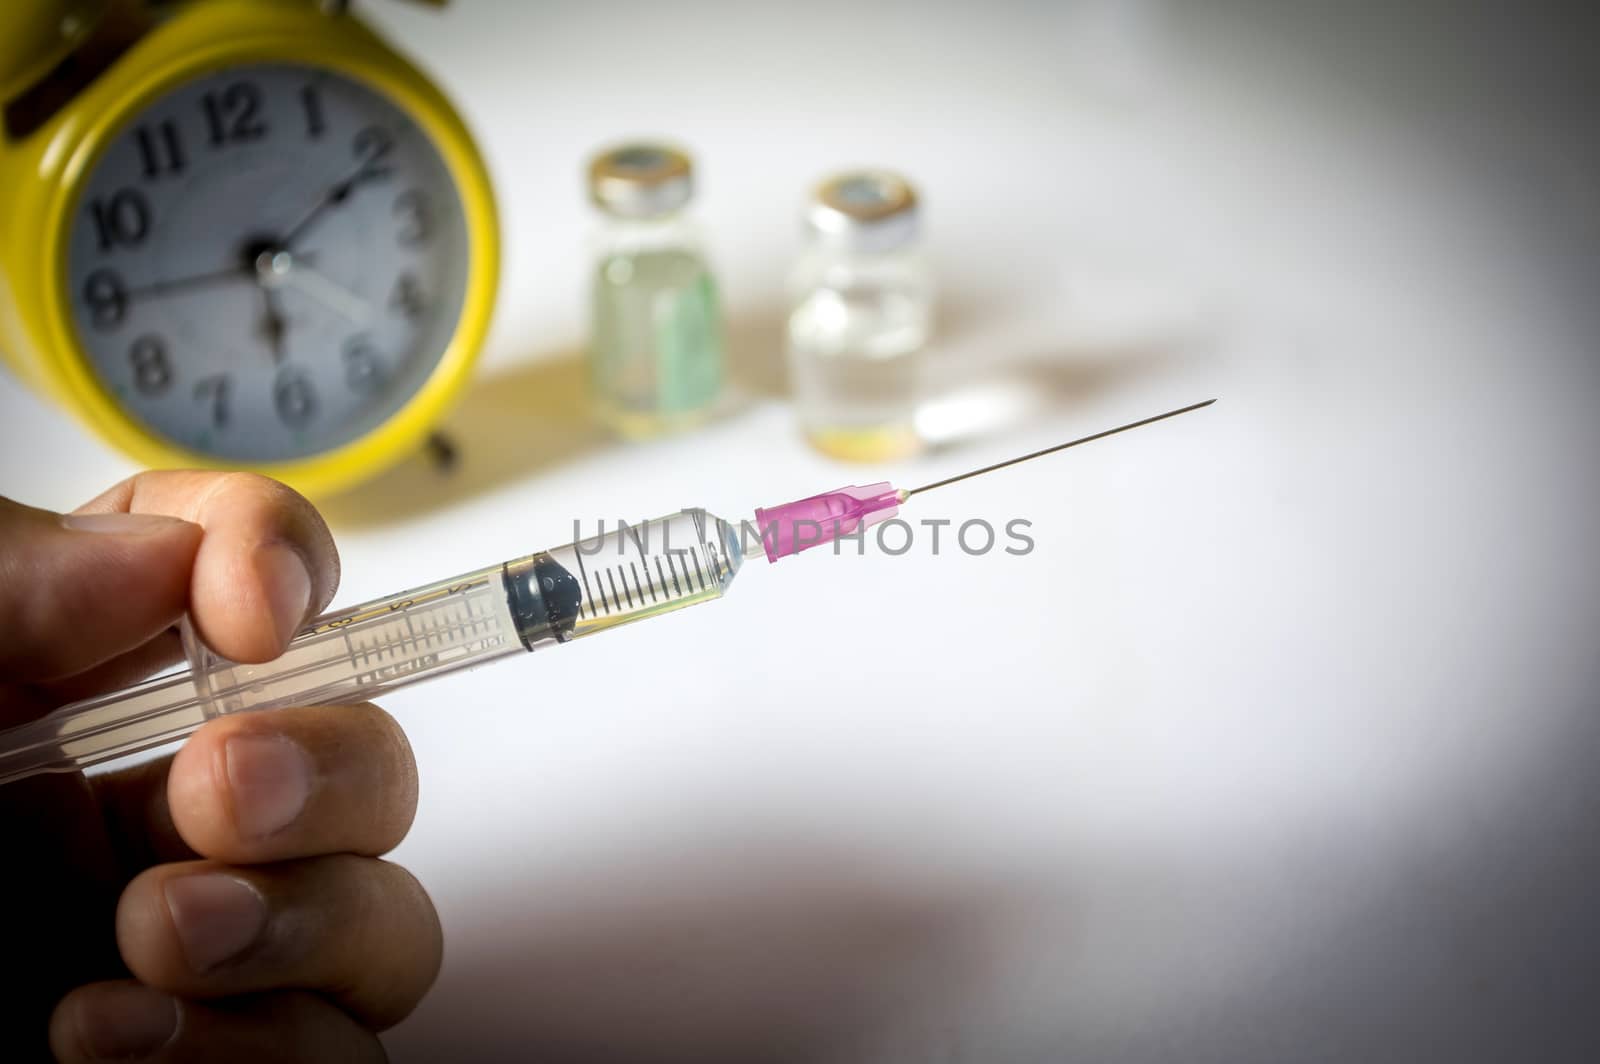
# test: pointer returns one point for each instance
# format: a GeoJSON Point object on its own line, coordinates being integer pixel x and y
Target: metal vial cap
{"type": "Point", "coordinates": [641, 180]}
{"type": "Point", "coordinates": [863, 210]}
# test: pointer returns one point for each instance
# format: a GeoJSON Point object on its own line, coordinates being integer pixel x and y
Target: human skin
{"type": "Point", "coordinates": [227, 902]}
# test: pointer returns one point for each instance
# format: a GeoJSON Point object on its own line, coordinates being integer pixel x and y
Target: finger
{"type": "Point", "coordinates": [58, 888]}
{"type": "Point", "coordinates": [161, 651]}
{"type": "Point", "coordinates": [266, 564]}
{"type": "Point", "coordinates": [360, 931]}
{"type": "Point", "coordinates": [259, 787]}
{"type": "Point", "coordinates": [77, 591]}
{"type": "Point", "coordinates": [245, 800]}
{"type": "Point", "coordinates": [138, 819]}
{"type": "Point", "coordinates": [22, 702]}
{"type": "Point", "coordinates": [128, 1021]}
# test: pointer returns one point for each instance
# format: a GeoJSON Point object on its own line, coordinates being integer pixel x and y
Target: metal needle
{"type": "Point", "coordinates": [1052, 450]}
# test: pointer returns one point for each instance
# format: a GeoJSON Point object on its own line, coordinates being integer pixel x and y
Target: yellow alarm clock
{"type": "Point", "coordinates": [237, 233]}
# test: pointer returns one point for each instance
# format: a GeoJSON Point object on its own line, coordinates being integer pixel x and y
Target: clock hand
{"type": "Point", "coordinates": [337, 193]}
{"type": "Point", "coordinates": [178, 284]}
{"type": "Point", "coordinates": [273, 325]}
{"type": "Point", "coordinates": [282, 268]}
{"type": "Point", "coordinates": [335, 297]}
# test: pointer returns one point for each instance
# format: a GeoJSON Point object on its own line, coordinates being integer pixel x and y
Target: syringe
{"type": "Point", "coordinates": [539, 600]}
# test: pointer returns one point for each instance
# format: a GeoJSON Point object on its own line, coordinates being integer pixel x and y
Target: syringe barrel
{"type": "Point", "coordinates": [588, 586]}
{"type": "Point", "coordinates": [355, 654]}
{"type": "Point", "coordinates": [629, 573]}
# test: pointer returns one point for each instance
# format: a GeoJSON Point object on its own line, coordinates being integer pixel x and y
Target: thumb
{"type": "Point", "coordinates": [79, 589]}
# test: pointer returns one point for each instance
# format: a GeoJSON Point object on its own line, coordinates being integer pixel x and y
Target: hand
{"type": "Point", "coordinates": [373, 144]}
{"type": "Point", "coordinates": [184, 284]}
{"type": "Point", "coordinates": [225, 903]}
{"type": "Point", "coordinates": [286, 269]}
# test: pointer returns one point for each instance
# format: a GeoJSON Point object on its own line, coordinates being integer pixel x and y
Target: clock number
{"type": "Point", "coordinates": [161, 150]}
{"type": "Point", "coordinates": [152, 373]}
{"type": "Point", "coordinates": [363, 368]}
{"type": "Point", "coordinates": [411, 207]}
{"type": "Point", "coordinates": [107, 299]}
{"type": "Point", "coordinates": [311, 103]}
{"type": "Point", "coordinates": [123, 219]}
{"type": "Point", "coordinates": [295, 400]}
{"type": "Point", "coordinates": [407, 299]}
{"type": "Point", "coordinates": [214, 390]}
{"type": "Point", "coordinates": [371, 145]}
{"type": "Point", "coordinates": [233, 115]}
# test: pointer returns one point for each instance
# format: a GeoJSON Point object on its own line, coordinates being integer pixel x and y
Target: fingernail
{"type": "Point", "coordinates": [270, 777]}
{"type": "Point", "coordinates": [120, 524]}
{"type": "Point", "coordinates": [216, 915]}
{"type": "Point", "coordinates": [288, 588]}
{"type": "Point", "coordinates": [127, 1021]}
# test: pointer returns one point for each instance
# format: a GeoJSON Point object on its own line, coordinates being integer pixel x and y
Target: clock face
{"type": "Point", "coordinates": [267, 262]}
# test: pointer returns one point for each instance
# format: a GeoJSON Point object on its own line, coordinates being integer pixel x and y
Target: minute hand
{"type": "Point", "coordinates": [338, 192]}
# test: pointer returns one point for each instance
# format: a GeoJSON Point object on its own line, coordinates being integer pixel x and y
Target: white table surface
{"type": "Point", "coordinates": [1280, 744]}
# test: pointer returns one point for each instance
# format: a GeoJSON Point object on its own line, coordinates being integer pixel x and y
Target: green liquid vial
{"type": "Point", "coordinates": [656, 348]}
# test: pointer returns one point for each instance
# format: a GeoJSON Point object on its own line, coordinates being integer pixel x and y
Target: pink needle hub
{"type": "Point", "coordinates": [796, 526]}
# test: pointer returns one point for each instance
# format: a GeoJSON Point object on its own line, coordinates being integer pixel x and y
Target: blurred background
{"type": "Point", "coordinates": [1280, 744]}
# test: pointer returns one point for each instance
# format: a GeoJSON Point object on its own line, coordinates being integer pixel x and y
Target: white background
{"type": "Point", "coordinates": [1280, 744]}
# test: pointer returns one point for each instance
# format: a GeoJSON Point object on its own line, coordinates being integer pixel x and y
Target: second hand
{"type": "Point", "coordinates": [178, 284]}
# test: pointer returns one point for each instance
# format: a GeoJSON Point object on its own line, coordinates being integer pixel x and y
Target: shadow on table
{"type": "Point", "coordinates": [509, 425]}
{"type": "Point", "coordinates": [518, 422]}
{"type": "Point", "coordinates": [978, 403]}
{"type": "Point", "coordinates": [767, 959]}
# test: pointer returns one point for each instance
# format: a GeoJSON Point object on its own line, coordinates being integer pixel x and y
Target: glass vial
{"type": "Point", "coordinates": [861, 310]}
{"type": "Point", "coordinates": [655, 357]}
